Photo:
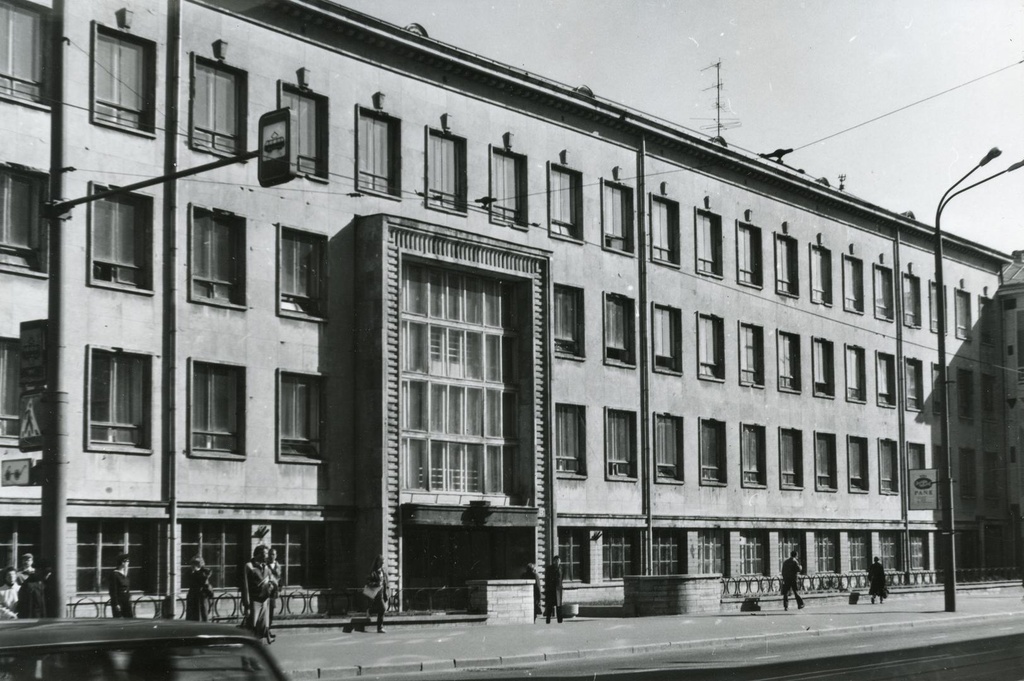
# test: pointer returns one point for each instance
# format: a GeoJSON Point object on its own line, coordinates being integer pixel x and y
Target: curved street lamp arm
{"type": "Point", "coordinates": [946, 200]}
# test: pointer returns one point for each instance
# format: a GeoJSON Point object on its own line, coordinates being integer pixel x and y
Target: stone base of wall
{"type": "Point", "coordinates": [671, 595]}
{"type": "Point", "coordinates": [505, 601]}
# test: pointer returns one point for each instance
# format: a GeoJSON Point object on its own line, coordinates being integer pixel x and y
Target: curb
{"type": "Point", "coordinates": [623, 651]}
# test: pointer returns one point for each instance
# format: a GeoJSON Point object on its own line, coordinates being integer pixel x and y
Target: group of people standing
{"type": "Point", "coordinates": [23, 591]}
{"type": "Point", "coordinates": [552, 589]}
{"type": "Point", "coordinates": [260, 583]}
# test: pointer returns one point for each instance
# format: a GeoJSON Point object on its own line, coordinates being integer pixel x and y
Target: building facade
{"type": "Point", "coordinates": [494, 318]}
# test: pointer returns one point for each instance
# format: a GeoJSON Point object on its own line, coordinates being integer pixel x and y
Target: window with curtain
{"type": "Point", "coordinates": [857, 461]}
{"type": "Point", "coordinates": [752, 446]}
{"type": "Point", "coordinates": [787, 266]}
{"type": "Point", "coordinates": [821, 275]}
{"type": "Point", "coordinates": [123, 75]}
{"type": "Point", "coordinates": [664, 230]}
{"type": "Point", "coordinates": [856, 375]}
{"type": "Point", "coordinates": [911, 301]}
{"type": "Point", "coordinates": [668, 446]}
{"type": "Point", "coordinates": [789, 361]}
{"type": "Point", "coordinates": [217, 408]}
{"type": "Point", "coordinates": [752, 552]}
{"type": "Point", "coordinates": [710, 346]}
{"type": "Point", "coordinates": [827, 545]}
{"type": "Point", "coordinates": [568, 320]}
{"type": "Point", "coordinates": [962, 311]}
{"type": "Point", "coordinates": [889, 545]}
{"type": "Point", "coordinates": [20, 224]}
{"type": "Point", "coordinates": [300, 415]}
{"type": "Point", "coordinates": [886, 378]}
{"type": "Point", "coordinates": [709, 243]}
{"type": "Point", "coordinates": [888, 467]}
{"type": "Point", "coordinates": [620, 443]}
{"type": "Point", "coordinates": [712, 451]}
{"type": "Point", "coordinates": [508, 187]}
{"type": "Point", "coordinates": [21, 59]}
{"type": "Point", "coordinates": [218, 256]}
{"type": "Point", "coordinates": [823, 367]}
{"type": "Point", "coordinates": [218, 107]}
{"type": "Point", "coordinates": [883, 293]}
{"type": "Point", "coordinates": [118, 399]}
{"type": "Point", "coordinates": [751, 355]}
{"type": "Point", "coordinates": [565, 202]}
{"type": "Point", "coordinates": [668, 347]}
{"type": "Point", "coordinates": [825, 461]}
{"type": "Point", "coordinates": [571, 438]}
{"type": "Point", "coordinates": [919, 551]}
{"type": "Point", "coordinates": [302, 272]}
{"type": "Point", "coordinates": [915, 456]}
{"type": "Point", "coordinates": [379, 153]}
{"type": "Point", "coordinates": [791, 458]}
{"type": "Point", "coordinates": [10, 389]}
{"type": "Point", "coordinates": [914, 389]}
{"type": "Point", "coordinates": [309, 129]}
{"type": "Point", "coordinates": [618, 329]}
{"type": "Point", "coordinates": [860, 550]}
{"type": "Point", "coordinates": [446, 171]}
{"type": "Point", "coordinates": [749, 258]}
{"type": "Point", "coordinates": [617, 217]}
{"type": "Point", "coordinates": [853, 284]}
{"type": "Point", "coordinates": [121, 234]}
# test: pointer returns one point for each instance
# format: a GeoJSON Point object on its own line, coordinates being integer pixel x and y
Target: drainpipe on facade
{"type": "Point", "coordinates": [170, 387]}
{"type": "Point", "coordinates": [53, 509]}
{"type": "Point", "coordinates": [901, 404]}
{"type": "Point", "coordinates": [550, 547]}
{"type": "Point", "coordinates": [647, 469]}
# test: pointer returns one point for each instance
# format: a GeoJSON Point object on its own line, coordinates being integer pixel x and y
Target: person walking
{"type": "Point", "coordinates": [255, 587]}
{"type": "Point", "coordinates": [553, 590]}
{"type": "Point", "coordinates": [791, 569]}
{"type": "Point", "coordinates": [876, 577]}
{"type": "Point", "coordinates": [120, 588]}
{"type": "Point", "coordinates": [376, 589]}
{"type": "Point", "coordinates": [531, 573]}
{"type": "Point", "coordinates": [197, 600]}
{"type": "Point", "coordinates": [32, 594]}
{"type": "Point", "coordinates": [275, 587]}
{"type": "Point", "coordinates": [9, 594]}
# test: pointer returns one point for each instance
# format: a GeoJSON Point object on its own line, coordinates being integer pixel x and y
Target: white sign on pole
{"type": "Point", "coordinates": [30, 439]}
{"type": "Point", "coordinates": [924, 489]}
{"type": "Point", "coordinates": [15, 472]}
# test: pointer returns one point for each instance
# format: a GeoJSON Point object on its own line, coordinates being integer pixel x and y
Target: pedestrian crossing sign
{"type": "Point", "coordinates": [30, 437]}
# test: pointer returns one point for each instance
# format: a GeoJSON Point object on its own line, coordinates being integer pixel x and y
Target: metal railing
{"type": "Point", "coordinates": [835, 582]}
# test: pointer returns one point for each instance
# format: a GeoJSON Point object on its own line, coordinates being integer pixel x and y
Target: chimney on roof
{"type": "Point", "coordinates": [1018, 257]}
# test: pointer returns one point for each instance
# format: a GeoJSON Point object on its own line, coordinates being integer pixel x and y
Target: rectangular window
{"type": "Point", "coordinates": [217, 408]}
{"type": "Point", "coordinates": [668, 342]}
{"type": "Point", "coordinates": [218, 256]}
{"type": "Point", "coordinates": [302, 272]}
{"type": "Point", "coordinates": [508, 188]}
{"type": "Point", "coordinates": [823, 367]}
{"type": "Point", "coordinates": [221, 546]}
{"type": "Point", "coordinates": [965, 393]}
{"type": "Point", "coordinates": [751, 355]}
{"type": "Point", "coordinates": [752, 552]}
{"type": "Point", "coordinates": [18, 536]}
{"type": "Point", "coordinates": [710, 347]}
{"type": "Point", "coordinates": [986, 320]}
{"type": "Point", "coordinates": [712, 451]}
{"type": "Point", "coordinates": [988, 396]}
{"type": "Point", "coordinates": [964, 325]}
{"type": "Point", "coordinates": [571, 438]}
{"type": "Point", "coordinates": [100, 542]}
{"type": "Point", "coordinates": [912, 301]}
{"type": "Point", "coordinates": [791, 541]}
{"type": "Point", "coordinates": [21, 55]}
{"type": "Point", "coordinates": [856, 374]}
{"type": "Point", "coordinates": [573, 550]}
{"type": "Point", "coordinates": [915, 456]}
{"type": "Point", "coordinates": [749, 269]}
{"type": "Point", "coordinates": [821, 275]}
{"type": "Point", "coordinates": [888, 467]}
{"type": "Point", "coordinates": [565, 202]}
{"type": "Point", "coordinates": [20, 223]}
{"type": "Point", "coordinates": [787, 266]}
{"type": "Point", "coordinates": [919, 551]}
{"type": "Point", "coordinates": [119, 399]}
{"type": "Point", "coordinates": [617, 217]}
{"type": "Point", "coordinates": [915, 389]}
{"type": "Point", "coordinates": [378, 153]}
{"type": "Point", "coordinates": [301, 553]}
{"type": "Point", "coordinates": [618, 329]}
{"type": "Point", "coordinates": [889, 547]}
{"type": "Point", "coordinates": [446, 171]}
{"type": "Point", "coordinates": [968, 474]}
{"type": "Point", "coordinates": [789, 361]}
{"type": "Point", "coordinates": [883, 293]}
{"type": "Point", "coordinates": [218, 107]}
{"type": "Point", "coordinates": [752, 455]}
{"type": "Point", "coordinates": [668, 549]}
{"type": "Point", "coordinates": [121, 236]}
{"type": "Point", "coordinates": [668, 446]}
{"type": "Point", "coordinates": [123, 75]}
{"type": "Point", "coordinates": [991, 474]}
{"type": "Point", "coordinates": [885, 365]}
{"type": "Point", "coordinates": [827, 545]}
{"type": "Point", "coordinates": [309, 131]}
{"type": "Point", "coordinates": [10, 390]}
{"type": "Point", "coordinates": [938, 390]}
{"type": "Point", "coordinates": [300, 415]}
{"type": "Point", "coordinates": [860, 549]}
{"type": "Point", "coordinates": [934, 307]}
{"type": "Point", "coordinates": [825, 461]}
{"type": "Point", "coordinates": [857, 460]}
{"type": "Point", "coordinates": [617, 554]}
{"type": "Point", "coordinates": [664, 230]}
{"type": "Point", "coordinates": [708, 234]}
{"type": "Point", "coordinates": [569, 321]}
{"type": "Point", "coordinates": [791, 458]}
{"type": "Point", "coordinates": [853, 284]}
{"type": "Point", "coordinates": [710, 552]}
{"type": "Point", "coordinates": [620, 443]}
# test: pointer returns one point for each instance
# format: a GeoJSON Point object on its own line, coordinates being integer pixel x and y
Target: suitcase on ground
{"type": "Point", "coordinates": [854, 597]}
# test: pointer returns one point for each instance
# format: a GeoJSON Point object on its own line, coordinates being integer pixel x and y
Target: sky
{"type": "Point", "coordinates": [793, 74]}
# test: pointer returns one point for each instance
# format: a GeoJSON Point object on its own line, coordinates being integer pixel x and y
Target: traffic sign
{"type": "Point", "coordinates": [16, 473]}
{"type": "Point", "coordinates": [30, 438]}
{"type": "Point", "coordinates": [278, 159]}
{"type": "Point", "coordinates": [33, 354]}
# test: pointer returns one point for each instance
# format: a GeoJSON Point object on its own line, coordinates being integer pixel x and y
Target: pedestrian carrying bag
{"type": "Point", "coordinates": [371, 591]}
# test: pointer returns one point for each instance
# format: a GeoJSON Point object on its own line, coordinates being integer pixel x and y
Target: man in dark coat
{"type": "Point", "coordinates": [531, 574]}
{"type": "Point", "coordinates": [32, 595]}
{"type": "Point", "coordinates": [790, 581]}
{"type": "Point", "coordinates": [553, 590]}
{"type": "Point", "coordinates": [876, 575]}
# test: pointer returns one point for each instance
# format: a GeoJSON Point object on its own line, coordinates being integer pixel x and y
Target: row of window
{"type": "Point", "coordinates": [709, 552]}
{"type": "Point", "coordinates": [620, 452]}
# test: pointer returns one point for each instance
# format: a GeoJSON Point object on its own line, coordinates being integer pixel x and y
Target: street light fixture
{"type": "Point", "coordinates": [949, 562]}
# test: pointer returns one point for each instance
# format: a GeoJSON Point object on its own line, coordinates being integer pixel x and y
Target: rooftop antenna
{"type": "Point", "coordinates": [719, 124]}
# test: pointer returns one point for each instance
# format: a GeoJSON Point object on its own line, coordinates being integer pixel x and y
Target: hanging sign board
{"type": "Point", "coordinates": [33, 354]}
{"type": "Point", "coordinates": [16, 472]}
{"type": "Point", "coordinates": [278, 159]}
{"type": "Point", "coordinates": [924, 489]}
{"type": "Point", "coordinates": [30, 435]}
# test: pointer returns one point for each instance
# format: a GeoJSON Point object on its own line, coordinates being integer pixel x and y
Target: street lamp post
{"type": "Point", "coordinates": [946, 490]}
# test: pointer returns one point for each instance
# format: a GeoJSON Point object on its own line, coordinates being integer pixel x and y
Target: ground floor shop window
{"type": "Point", "coordinates": [790, 541]}
{"type": "Point", "coordinates": [617, 554]}
{"type": "Point", "coordinates": [752, 553]}
{"type": "Point", "coordinates": [709, 552]}
{"type": "Point", "coordinates": [668, 550]}
{"type": "Point", "coordinates": [889, 543]}
{"type": "Point", "coordinates": [220, 545]}
{"type": "Point", "coordinates": [573, 547]}
{"type": "Point", "coordinates": [860, 548]}
{"type": "Point", "coordinates": [100, 542]}
{"type": "Point", "coordinates": [449, 556]}
{"type": "Point", "coordinates": [918, 550]}
{"type": "Point", "coordinates": [301, 551]}
{"type": "Point", "coordinates": [826, 544]}
{"type": "Point", "coordinates": [18, 536]}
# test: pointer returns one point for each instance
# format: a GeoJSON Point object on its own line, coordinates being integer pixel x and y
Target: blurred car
{"type": "Point", "coordinates": [131, 650]}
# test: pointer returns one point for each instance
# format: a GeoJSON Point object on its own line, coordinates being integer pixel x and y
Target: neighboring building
{"type": "Point", "coordinates": [494, 318]}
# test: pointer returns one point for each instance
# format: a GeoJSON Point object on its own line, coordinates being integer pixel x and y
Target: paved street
{"type": "Point", "coordinates": [334, 654]}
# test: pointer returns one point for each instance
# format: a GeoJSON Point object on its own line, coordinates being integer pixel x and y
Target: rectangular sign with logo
{"type": "Point", "coordinates": [30, 435]}
{"type": "Point", "coordinates": [16, 472]}
{"type": "Point", "coordinates": [924, 489]}
{"type": "Point", "coordinates": [33, 353]}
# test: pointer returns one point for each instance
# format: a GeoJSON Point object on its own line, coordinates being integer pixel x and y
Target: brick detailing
{"type": "Point", "coordinates": [671, 594]}
{"type": "Point", "coordinates": [505, 601]}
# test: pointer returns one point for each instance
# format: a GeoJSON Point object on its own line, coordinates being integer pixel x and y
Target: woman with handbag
{"type": "Point", "coordinates": [256, 591]}
{"type": "Point", "coordinates": [377, 591]}
{"type": "Point", "coordinates": [197, 600]}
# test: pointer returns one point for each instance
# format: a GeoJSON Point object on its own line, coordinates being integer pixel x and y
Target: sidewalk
{"type": "Point", "coordinates": [333, 654]}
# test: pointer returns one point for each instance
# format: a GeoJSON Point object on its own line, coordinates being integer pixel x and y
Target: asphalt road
{"type": "Point", "coordinates": [981, 651]}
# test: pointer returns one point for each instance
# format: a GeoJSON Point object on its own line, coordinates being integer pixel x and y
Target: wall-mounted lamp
{"type": "Point", "coordinates": [124, 18]}
{"type": "Point", "coordinates": [563, 157]}
{"type": "Point", "coordinates": [220, 49]}
{"type": "Point", "coordinates": [506, 141]}
{"type": "Point", "coordinates": [378, 100]}
{"type": "Point", "coordinates": [663, 188]}
{"type": "Point", "coordinates": [303, 78]}
{"type": "Point", "coordinates": [446, 122]}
